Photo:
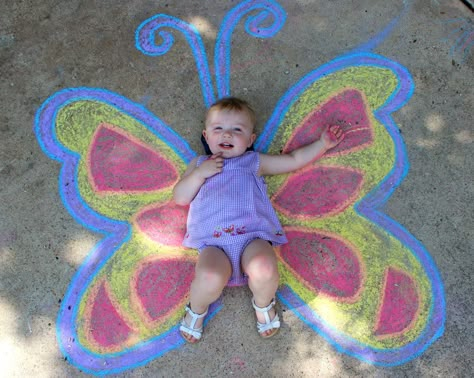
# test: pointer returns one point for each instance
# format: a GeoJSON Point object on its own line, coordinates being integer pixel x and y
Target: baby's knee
{"type": "Point", "coordinates": [212, 279]}
{"type": "Point", "coordinates": [263, 268]}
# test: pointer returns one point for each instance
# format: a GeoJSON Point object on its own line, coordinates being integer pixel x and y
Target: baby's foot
{"type": "Point", "coordinates": [268, 322]}
{"type": "Point", "coordinates": [191, 325]}
{"type": "Point", "coordinates": [261, 320]}
{"type": "Point", "coordinates": [187, 336]}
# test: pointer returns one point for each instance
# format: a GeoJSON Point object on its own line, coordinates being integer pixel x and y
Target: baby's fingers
{"type": "Point", "coordinates": [336, 133]}
{"type": "Point", "coordinates": [216, 156]}
{"type": "Point", "coordinates": [218, 163]}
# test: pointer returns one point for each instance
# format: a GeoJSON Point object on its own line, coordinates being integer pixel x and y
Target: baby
{"type": "Point", "coordinates": [231, 220]}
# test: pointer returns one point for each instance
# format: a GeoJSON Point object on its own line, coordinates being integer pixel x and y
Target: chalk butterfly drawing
{"type": "Point", "coordinates": [354, 275]}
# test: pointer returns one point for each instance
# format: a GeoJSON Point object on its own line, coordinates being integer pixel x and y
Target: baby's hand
{"type": "Point", "coordinates": [212, 166]}
{"type": "Point", "coordinates": [332, 136]}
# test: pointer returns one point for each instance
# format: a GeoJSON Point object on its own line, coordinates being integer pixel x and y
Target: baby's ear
{"type": "Point", "coordinates": [252, 139]}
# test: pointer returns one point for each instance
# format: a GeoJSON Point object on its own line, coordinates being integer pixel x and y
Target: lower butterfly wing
{"type": "Point", "coordinates": [352, 273]}
{"type": "Point", "coordinates": [119, 165]}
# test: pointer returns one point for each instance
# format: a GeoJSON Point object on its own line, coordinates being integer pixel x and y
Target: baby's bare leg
{"type": "Point", "coordinates": [212, 273]}
{"type": "Point", "coordinates": [213, 270]}
{"type": "Point", "coordinates": [260, 264]}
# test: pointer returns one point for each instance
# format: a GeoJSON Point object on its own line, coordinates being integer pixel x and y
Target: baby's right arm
{"type": "Point", "coordinates": [194, 177]}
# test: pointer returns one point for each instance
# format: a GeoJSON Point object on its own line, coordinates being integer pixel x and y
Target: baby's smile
{"type": "Point", "coordinates": [226, 146]}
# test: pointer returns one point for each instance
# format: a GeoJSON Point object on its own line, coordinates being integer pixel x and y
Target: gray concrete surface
{"type": "Point", "coordinates": [49, 45]}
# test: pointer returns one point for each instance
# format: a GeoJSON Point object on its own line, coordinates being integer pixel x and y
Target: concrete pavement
{"type": "Point", "coordinates": [47, 47]}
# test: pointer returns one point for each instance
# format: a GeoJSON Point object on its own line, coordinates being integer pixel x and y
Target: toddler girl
{"type": "Point", "coordinates": [231, 221]}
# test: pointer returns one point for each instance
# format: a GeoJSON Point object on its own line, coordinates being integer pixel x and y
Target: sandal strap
{"type": "Point", "coordinates": [195, 332]}
{"type": "Point", "coordinates": [274, 324]}
{"type": "Point", "coordinates": [194, 316]}
{"type": "Point", "coordinates": [263, 309]}
{"type": "Point", "coordinates": [190, 328]}
{"type": "Point", "coordinates": [269, 324]}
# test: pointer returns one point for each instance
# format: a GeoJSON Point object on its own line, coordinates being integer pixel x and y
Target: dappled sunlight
{"type": "Point", "coordinates": [78, 248]}
{"type": "Point", "coordinates": [464, 137]}
{"type": "Point", "coordinates": [6, 256]}
{"type": "Point", "coordinates": [338, 318]}
{"type": "Point", "coordinates": [320, 23]}
{"type": "Point", "coordinates": [318, 358]}
{"type": "Point", "coordinates": [28, 308]}
{"type": "Point", "coordinates": [23, 336]}
{"type": "Point", "coordinates": [27, 322]}
{"type": "Point", "coordinates": [434, 123]}
{"type": "Point", "coordinates": [456, 159]}
{"type": "Point", "coordinates": [438, 134]}
{"type": "Point", "coordinates": [329, 365]}
{"type": "Point", "coordinates": [10, 348]}
{"type": "Point", "coordinates": [428, 143]}
{"type": "Point", "coordinates": [329, 311]}
{"type": "Point", "coordinates": [203, 26]}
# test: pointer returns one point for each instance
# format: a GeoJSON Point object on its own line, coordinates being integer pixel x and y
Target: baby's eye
{"type": "Point", "coordinates": [237, 129]}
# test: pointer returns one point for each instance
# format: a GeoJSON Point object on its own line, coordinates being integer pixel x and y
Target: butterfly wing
{"type": "Point", "coordinates": [119, 165]}
{"type": "Point", "coordinates": [353, 274]}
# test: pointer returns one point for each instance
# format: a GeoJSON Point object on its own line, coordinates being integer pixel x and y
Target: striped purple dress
{"type": "Point", "coordinates": [233, 208]}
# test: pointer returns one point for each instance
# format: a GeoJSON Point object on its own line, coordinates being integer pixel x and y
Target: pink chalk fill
{"type": "Point", "coordinates": [318, 192]}
{"type": "Point", "coordinates": [107, 327]}
{"type": "Point", "coordinates": [400, 303]}
{"type": "Point", "coordinates": [165, 224]}
{"type": "Point", "coordinates": [347, 109]}
{"type": "Point", "coordinates": [326, 264]}
{"type": "Point", "coordinates": [118, 163]}
{"type": "Point", "coordinates": [162, 284]}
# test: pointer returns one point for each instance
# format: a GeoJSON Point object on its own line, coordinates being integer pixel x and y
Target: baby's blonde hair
{"type": "Point", "coordinates": [234, 104]}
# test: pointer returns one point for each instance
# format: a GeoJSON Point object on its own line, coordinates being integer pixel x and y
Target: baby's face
{"type": "Point", "coordinates": [229, 132]}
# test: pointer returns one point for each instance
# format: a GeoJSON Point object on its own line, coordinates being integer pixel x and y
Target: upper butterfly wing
{"type": "Point", "coordinates": [124, 156]}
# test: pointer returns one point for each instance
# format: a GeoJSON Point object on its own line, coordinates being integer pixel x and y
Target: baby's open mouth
{"type": "Point", "coordinates": [226, 145]}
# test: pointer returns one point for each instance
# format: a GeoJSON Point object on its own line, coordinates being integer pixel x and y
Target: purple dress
{"type": "Point", "coordinates": [231, 209]}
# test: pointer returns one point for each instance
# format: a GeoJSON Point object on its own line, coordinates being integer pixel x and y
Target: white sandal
{"type": "Point", "coordinates": [190, 329]}
{"type": "Point", "coordinates": [269, 324]}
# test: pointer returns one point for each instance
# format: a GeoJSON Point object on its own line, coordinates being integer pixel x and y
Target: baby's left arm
{"type": "Point", "coordinates": [277, 164]}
